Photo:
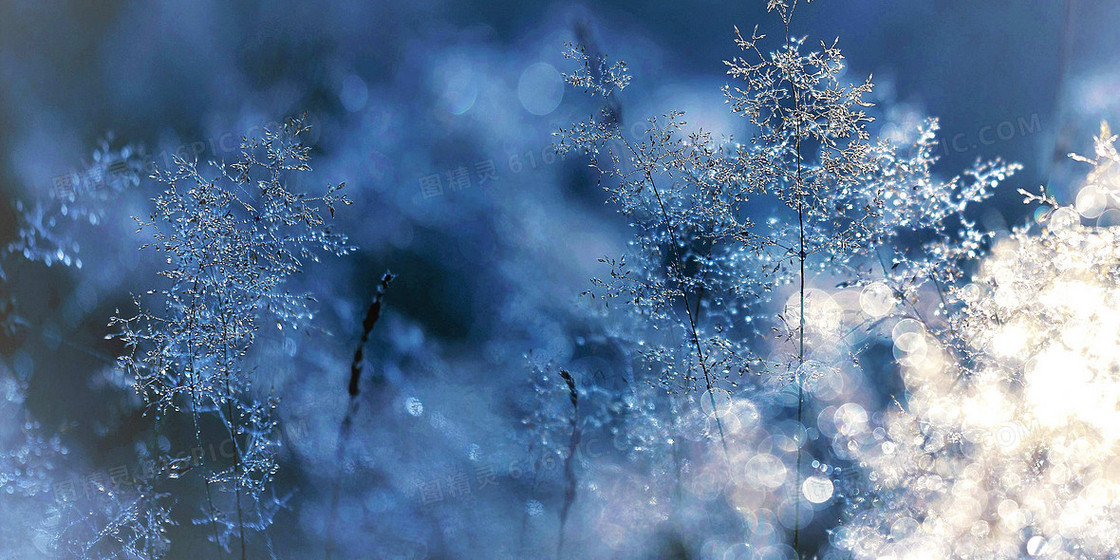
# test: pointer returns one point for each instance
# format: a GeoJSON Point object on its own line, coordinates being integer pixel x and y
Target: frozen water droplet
{"type": "Point", "coordinates": [1036, 545]}
{"type": "Point", "coordinates": [817, 489]}
{"type": "Point", "coordinates": [414, 406]}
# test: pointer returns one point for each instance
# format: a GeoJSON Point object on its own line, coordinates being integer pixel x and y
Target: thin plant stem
{"type": "Point", "coordinates": [353, 389]}
{"type": "Point", "coordinates": [801, 256]}
{"type": "Point", "coordinates": [693, 333]}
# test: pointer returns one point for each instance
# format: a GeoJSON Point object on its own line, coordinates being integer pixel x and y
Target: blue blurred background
{"type": "Point", "coordinates": [438, 116]}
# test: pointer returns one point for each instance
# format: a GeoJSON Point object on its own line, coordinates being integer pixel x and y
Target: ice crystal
{"type": "Point", "coordinates": [33, 461]}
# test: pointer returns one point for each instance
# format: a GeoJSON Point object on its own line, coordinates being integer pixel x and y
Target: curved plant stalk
{"type": "Point", "coordinates": [353, 389]}
{"type": "Point", "coordinates": [569, 462]}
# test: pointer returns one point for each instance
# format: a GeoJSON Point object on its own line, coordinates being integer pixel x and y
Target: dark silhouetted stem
{"type": "Point", "coordinates": [569, 463]}
{"type": "Point", "coordinates": [373, 313]}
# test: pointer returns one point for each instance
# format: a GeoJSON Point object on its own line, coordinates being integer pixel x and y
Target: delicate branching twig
{"type": "Point", "coordinates": [232, 240]}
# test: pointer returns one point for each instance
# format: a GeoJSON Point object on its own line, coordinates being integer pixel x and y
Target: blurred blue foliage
{"type": "Point", "coordinates": [438, 116]}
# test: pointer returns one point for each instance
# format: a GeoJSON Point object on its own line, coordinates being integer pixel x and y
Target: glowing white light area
{"type": "Point", "coordinates": [876, 300]}
{"type": "Point", "coordinates": [541, 88]}
{"type": "Point", "coordinates": [1009, 446]}
{"type": "Point", "coordinates": [1091, 201]}
{"type": "Point", "coordinates": [822, 313]}
{"type": "Point", "coordinates": [817, 489]}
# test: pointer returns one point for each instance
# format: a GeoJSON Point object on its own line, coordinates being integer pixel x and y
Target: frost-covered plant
{"type": "Point", "coordinates": [1007, 447]}
{"type": "Point", "coordinates": [48, 227]}
{"type": "Point", "coordinates": [109, 521]}
{"type": "Point", "coordinates": [34, 462]}
{"type": "Point", "coordinates": [232, 239]}
{"type": "Point", "coordinates": [45, 232]}
{"type": "Point", "coordinates": [809, 201]}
